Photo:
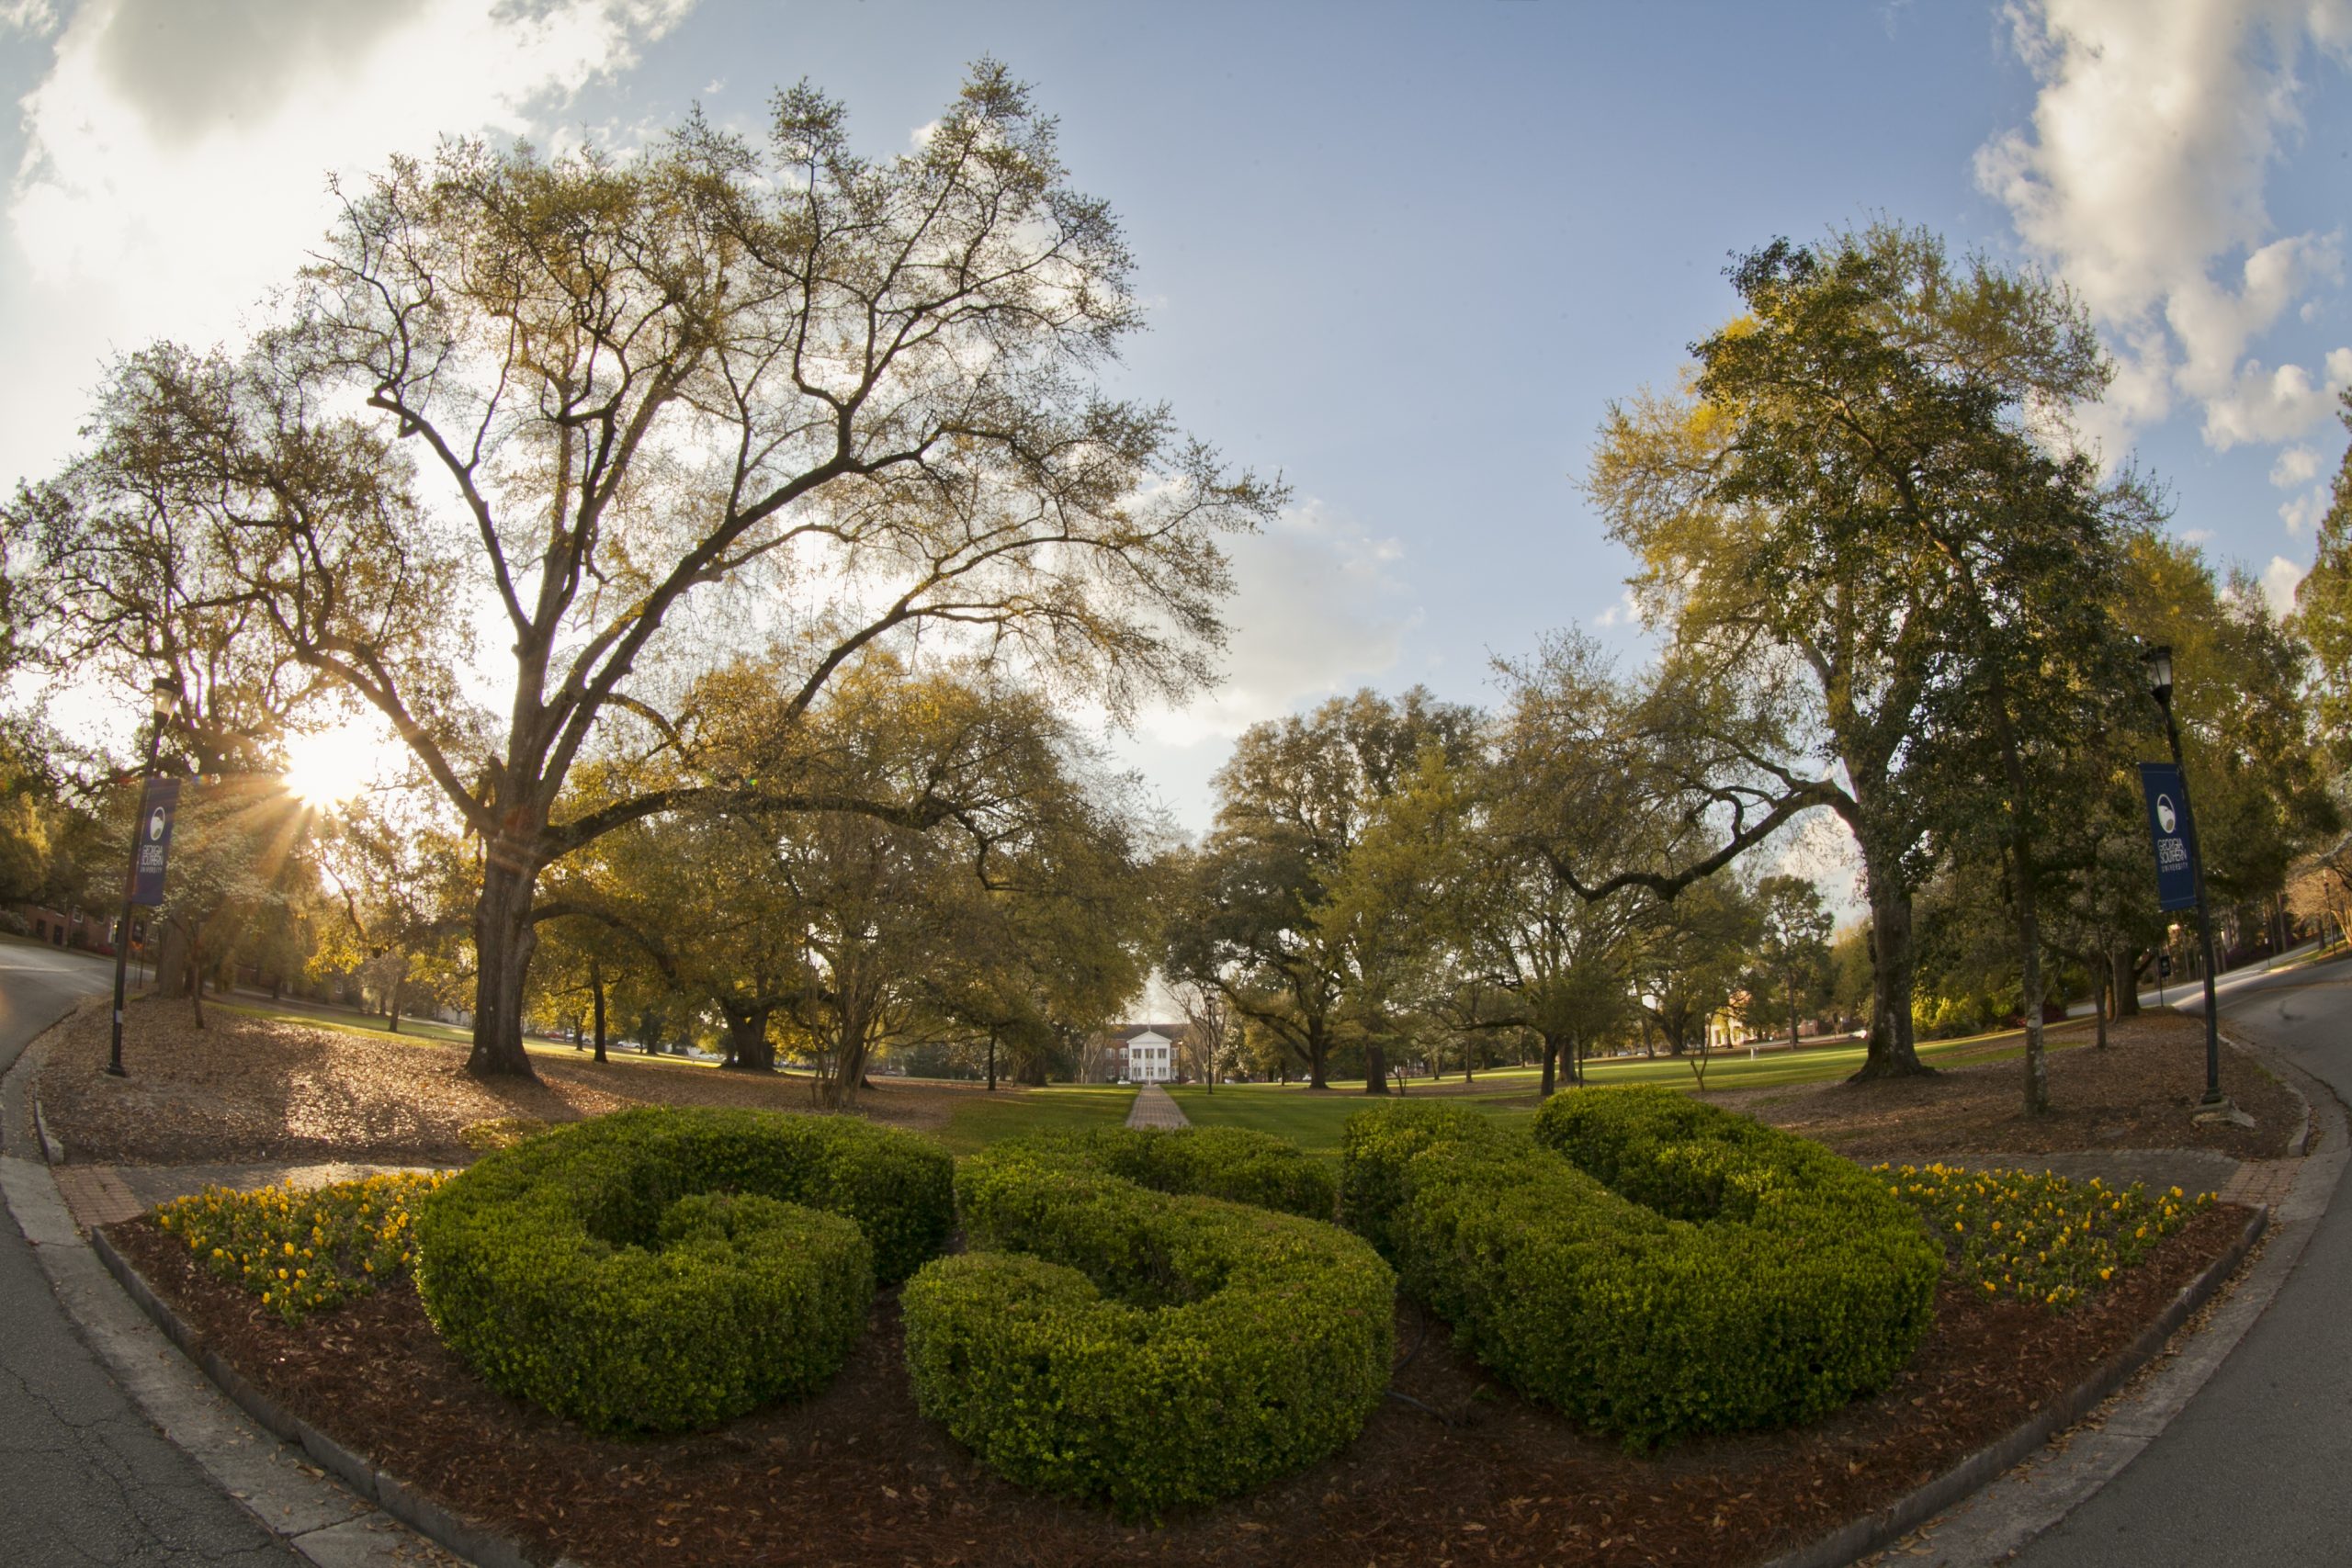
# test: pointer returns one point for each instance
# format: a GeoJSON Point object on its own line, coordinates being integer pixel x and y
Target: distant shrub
{"type": "Point", "coordinates": [1648, 1264]}
{"type": "Point", "coordinates": [304, 1250]}
{"type": "Point", "coordinates": [664, 1268]}
{"type": "Point", "coordinates": [1154, 1348]}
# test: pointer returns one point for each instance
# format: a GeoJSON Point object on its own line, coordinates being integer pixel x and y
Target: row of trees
{"type": "Point", "coordinates": [1884, 586]}
{"type": "Point", "coordinates": [722, 531]}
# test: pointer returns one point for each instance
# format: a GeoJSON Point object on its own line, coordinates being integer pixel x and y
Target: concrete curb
{"type": "Point", "coordinates": [483, 1548]}
{"type": "Point", "coordinates": [318, 1520]}
{"type": "Point", "coordinates": [2013, 1508]}
{"type": "Point", "coordinates": [1868, 1534]}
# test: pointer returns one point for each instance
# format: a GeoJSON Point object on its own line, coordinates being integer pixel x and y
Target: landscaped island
{"type": "Point", "coordinates": [1144, 1323]}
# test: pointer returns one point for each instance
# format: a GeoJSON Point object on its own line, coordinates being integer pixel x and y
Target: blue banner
{"type": "Point", "coordinates": [158, 807]}
{"type": "Point", "coordinates": [2174, 835]}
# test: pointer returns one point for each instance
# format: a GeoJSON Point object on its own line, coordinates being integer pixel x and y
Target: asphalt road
{"type": "Point", "coordinates": [2256, 1469]}
{"type": "Point", "coordinates": [83, 1479]}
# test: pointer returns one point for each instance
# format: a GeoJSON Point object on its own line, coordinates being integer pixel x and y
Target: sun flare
{"type": "Point", "coordinates": [330, 767]}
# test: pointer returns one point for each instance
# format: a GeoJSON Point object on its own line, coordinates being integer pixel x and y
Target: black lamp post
{"type": "Point", "coordinates": [167, 700]}
{"type": "Point", "coordinates": [2159, 662]}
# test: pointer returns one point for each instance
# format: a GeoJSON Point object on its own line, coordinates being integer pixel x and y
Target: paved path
{"type": "Point", "coordinates": [1155, 1108]}
{"type": "Point", "coordinates": [2253, 1470]}
{"type": "Point", "coordinates": [83, 1477]}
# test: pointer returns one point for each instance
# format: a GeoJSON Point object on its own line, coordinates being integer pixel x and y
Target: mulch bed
{"type": "Point", "coordinates": [855, 1477]}
{"type": "Point", "coordinates": [2138, 1093]}
{"type": "Point", "coordinates": [253, 1091]}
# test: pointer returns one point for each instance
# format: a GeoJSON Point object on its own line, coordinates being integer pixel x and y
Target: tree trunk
{"type": "Point", "coordinates": [196, 974]}
{"type": "Point", "coordinates": [170, 956]}
{"type": "Point", "coordinates": [1889, 1052]}
{"type": "Point", "coordinates": [1792, 1012]}
{"type": "Point", "coordinates": [1550, 1081]}
{"type": "Point", "coordinates": [749, 1049]}
{"type": "Point", "coordinates": [596, 993]}
{"type": "Point", "coordinates": [1319, 1053]}
{"type": "Point", "coordinates": [2101, 995]}
{"type": "Point", "coordinates": [1375, 1068]}
{"type": "Point", "coordinates": [503, 941]}
{"type": "Point", "coordinates": [393, 1008]}
{"type": "Point", "coordinates": [2124, 976]}
{"type": "Point", "coordinates": [2037, 1060]}
{"type": "Point", "coordinates": [991, 1060]}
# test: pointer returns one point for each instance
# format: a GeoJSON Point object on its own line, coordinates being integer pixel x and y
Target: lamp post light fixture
{"type": "Point", "coordinates": [165, 701]}
{"type": "Point", "coordinates": [2159, 662]}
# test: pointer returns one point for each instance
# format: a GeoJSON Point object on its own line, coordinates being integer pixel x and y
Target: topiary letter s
{"type": "Point", "coordinates": [663, 1268]}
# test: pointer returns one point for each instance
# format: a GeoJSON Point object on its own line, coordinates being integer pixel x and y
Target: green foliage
{"type": "Point", "coordinates": [2038, 1237]}
{"type": "Point", "coordinates": [1649, 1265]}
{"type": "Point", "coordinates": [304, 1251]}
{"type": "Point", "coordinates": [1153, 1348]}
{"type": "Point", "coordinates": [1231, 1163]}
{"type": "Point", "coordinates": [662, 1268]}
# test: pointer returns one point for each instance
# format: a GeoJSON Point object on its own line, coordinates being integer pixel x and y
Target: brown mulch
{"type": "Point", "coordinates": [253, 1091]}
{"type": "Point", "coordinates": [2139, 1093]}
{"type": "Point", "coordinates": [856, 1476]}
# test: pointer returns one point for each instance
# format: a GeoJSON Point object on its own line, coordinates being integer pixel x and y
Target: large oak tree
{"type": "Point", "coordinates": [626, 416]}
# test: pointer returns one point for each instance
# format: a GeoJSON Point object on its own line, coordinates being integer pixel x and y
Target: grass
{"type": "Point", "coordinates": [429, 1031]}
{"type": "Point", "coordinates": [1312, 1119]}
{"type": "Point", "coordinates": [983, 1118]}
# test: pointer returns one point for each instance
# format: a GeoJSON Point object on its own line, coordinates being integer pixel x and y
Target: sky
{"type": "Point", "coordinates": [1403, 254]}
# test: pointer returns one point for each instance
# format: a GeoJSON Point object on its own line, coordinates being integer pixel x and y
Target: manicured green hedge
{"type": "Point", "coordinates": [1153, 1348]}
{"type": "Point", "coordinates": [1238, 1165]}
{"type": "Point", "coordinates": [1647, 1264]}
{"type": "Point", "coordinates": [663, 1268]}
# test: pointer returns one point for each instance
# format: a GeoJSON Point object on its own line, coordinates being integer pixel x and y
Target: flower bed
{"type": "Point", "coordinates": [304, 1251]}
{"type": "Point", "coordinates": [2038, 1237]}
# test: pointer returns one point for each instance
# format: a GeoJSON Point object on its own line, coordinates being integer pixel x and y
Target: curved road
{"type": "Point", "coordinates": [2256, 1469]}
{"type": "Point", "coordinates": [83, 1477]}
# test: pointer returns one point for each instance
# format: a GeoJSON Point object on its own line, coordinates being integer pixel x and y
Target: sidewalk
{"type": "Point", "coordinates": [122, 1450]}
{"type": "Point", "coordinates": [1153, 1108]}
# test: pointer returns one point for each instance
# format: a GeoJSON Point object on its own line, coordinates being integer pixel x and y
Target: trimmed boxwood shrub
{"type": "Point", "coordinates": [1241, 1167]}
{"type": "Point", "coordinates": [1153, 1348]}
{"type": "Point", "coordinates": [1648, 1264]}
{"type": "Point", "coordinates": [663, 1268]}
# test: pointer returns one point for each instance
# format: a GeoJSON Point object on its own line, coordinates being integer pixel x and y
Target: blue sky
{"type": "Point", "coordinates": [1404, 254]}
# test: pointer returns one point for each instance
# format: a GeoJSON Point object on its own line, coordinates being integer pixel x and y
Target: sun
{"type": "Point", "coordinates": [330, 766]}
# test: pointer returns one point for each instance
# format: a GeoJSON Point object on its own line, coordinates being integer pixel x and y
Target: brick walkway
{"type": "Point", "coordinates": [103, 1194]}
{"type": "Point", "coordinates": [1154, 1108]}
{"type": "Point", "coordinates": [97, 1195]}
{"type": "Point", "coordinates": [2260, 1181]}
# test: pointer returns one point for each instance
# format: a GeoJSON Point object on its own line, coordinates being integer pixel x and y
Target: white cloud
{"type": "Point", "coordinates": [2304, 510]}
{"type": "Point", "coordinates": [2279, 581]}
{"type": "Point", "coordinates": [2141, 181]}
{"type": "Point", "coordinates": [2266, 405]}
{"type": "Point", "coordinates": [1626, 612]}
{"type": "Point", "coordinates": [37, 18]}
{"type": "Point", "coordinates": [176, 155]}
{"type": "Point", "coordinates": [2197, 535]}
{"type": "Point", "coordinates": [2296, 464]}
{"type": "Point", "coordinates": [1319, 607]}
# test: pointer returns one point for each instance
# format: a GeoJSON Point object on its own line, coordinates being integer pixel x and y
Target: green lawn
{"type": "Point", "coordinates": [1312, 1119]}
{"type": "Point", "coordinates": [427, 1031]}
{"type": "Point", "coordinates": [983, 1118]}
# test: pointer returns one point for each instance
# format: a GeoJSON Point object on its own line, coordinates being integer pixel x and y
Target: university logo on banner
{"type": "Point", "coordinates": [2173, 834]}
{"type": "Point", "coordinates": [159, 805]}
